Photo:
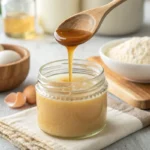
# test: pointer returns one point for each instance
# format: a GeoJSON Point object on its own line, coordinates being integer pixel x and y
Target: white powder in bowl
{"type": "Point", "coordinates": [134, 51]}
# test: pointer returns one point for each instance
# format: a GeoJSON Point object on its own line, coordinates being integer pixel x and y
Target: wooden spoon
{"type": "Point", "coordinates": [88, 21]}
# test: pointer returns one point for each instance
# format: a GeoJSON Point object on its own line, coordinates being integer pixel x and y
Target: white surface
{"type": "Point", "coordinates": [133, 72]}
{"type": "Point", "coordinates": [43, 51]}
{"type": "Point", "coordinates": [118, 126]}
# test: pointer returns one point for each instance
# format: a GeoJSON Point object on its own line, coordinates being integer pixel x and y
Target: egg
{"type": "Point", "coordinates": [8, 56]}
{"type": "Point", "coordinates": [30, 94]}
{"type": "Point", "coordinates": [1, 48]}
{"type": "Point", "coordinates": [15, 100]}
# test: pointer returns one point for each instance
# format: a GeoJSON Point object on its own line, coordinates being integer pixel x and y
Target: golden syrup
{"type": "Point", "coordinates": [71, 38]}
{"type": "Point", "coordinates": [19, 25]}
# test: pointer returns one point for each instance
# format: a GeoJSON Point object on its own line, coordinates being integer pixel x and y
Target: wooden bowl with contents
{"type": "Point", "coordinates": [14, 73]}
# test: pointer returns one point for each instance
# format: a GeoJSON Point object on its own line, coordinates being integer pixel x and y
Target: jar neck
{"type": "Point", "coordinates": [95, 84]}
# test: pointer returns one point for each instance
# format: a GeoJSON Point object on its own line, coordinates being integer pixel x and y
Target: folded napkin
{"type": "Point", "coordinates": [22, 129]}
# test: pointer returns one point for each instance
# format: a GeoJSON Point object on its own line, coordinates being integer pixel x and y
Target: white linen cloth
{"type": "Point", "coordinates": [22, 130]}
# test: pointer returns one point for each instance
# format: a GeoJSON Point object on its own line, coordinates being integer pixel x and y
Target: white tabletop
{"type": "Point", "coordinates": [43, 51]}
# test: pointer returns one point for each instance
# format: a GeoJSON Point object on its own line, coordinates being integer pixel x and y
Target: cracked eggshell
{"type": "Point", "coordinates": [15, 100]}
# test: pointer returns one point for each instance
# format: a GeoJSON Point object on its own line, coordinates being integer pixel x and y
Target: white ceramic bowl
{"type": "Point", "coordinates": [132, 72]}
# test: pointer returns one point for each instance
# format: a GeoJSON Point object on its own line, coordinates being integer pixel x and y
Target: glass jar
{"type": "Point", "coordinates": [74, 109]}
{"type": "Point", "coordinates": [18, 18]}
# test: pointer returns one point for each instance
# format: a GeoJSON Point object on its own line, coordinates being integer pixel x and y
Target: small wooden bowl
{"type": "Point", "coordinates": [13, 74]}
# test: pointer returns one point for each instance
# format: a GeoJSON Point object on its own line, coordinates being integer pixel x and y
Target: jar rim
{"type": "Point", "coordinates": [93, 86]}
{"type": "Point", "coordinates": [66, 60]}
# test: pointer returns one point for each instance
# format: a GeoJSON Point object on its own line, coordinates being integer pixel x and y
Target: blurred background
{"type": "Point", "coordinates": [29, 18]}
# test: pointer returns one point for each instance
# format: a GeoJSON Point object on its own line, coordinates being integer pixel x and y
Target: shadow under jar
{"type": "Point", "coordinates": [74, 109]}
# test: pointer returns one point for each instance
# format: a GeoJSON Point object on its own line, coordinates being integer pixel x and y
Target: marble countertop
{"type": "Point", "coordinates": [45, 50]}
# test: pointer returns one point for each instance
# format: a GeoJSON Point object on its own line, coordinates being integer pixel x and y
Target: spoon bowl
{"type": "Point", "coordinates": [82, 26]}
{"type": "Point", "coordinates": [79, 22]}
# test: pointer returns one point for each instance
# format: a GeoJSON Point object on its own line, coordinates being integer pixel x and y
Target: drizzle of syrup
{"type": "Point", "coordinates": [71, 38]}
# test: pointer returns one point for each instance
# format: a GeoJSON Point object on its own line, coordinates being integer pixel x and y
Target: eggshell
{"type": "Point", "coordinates": [30, 94]}
{"type": "Point", "coordinates": [15, 100]}
{"type": "Point", "coordinates": [8, 56]}
{"type": "Point", "coordinates": [1, 48]}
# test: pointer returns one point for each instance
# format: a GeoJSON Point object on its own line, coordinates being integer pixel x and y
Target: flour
{"type": "Point", "coordinates": [134, 51]}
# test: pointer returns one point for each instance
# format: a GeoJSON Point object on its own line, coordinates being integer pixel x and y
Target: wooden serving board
{"type": "Point", "coordinates": [135, 94]}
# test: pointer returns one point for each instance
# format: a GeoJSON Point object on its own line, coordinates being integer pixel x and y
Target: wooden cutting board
{"type": "Point", "coordinates": [135, 94]}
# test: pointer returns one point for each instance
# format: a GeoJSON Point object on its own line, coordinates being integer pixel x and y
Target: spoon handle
{"type": "Point", "coordinates": [101, 12]}
{"type": "Point", "coordinates": [104, 10]}
{"type": "Point", "coordinates": [108, 7]}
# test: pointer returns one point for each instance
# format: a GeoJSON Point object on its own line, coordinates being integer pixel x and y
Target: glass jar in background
{"type": "Point", "coordinates": [124, 19]}
{"type": "Point", "coordinates": [74, 109]}
{"type": "Point", "coordinates": [51, 13]}
{"type": "Point", "coordinates": [18, 18]}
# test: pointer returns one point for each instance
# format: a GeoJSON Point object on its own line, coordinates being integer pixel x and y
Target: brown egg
{"type": "Point", "coordinates": [30, 94]}
{"type": "Point", "coordinates": [15, 100]}
{"type": "Point", "coordinates": [1, 48]}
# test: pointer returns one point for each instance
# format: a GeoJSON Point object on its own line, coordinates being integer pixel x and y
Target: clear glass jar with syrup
{"type": "Point", "coordinates": [74, 109]}
{"type": "Point", "coordinates": [18, 18]}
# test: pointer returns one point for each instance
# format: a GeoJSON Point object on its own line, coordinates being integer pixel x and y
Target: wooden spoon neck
{"type": "Point", "coordinates": [101, 12]}
{"type": "Point", "coordinates": [113, 4]}
{"type": "Point", "coordinates": [104, 10]}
